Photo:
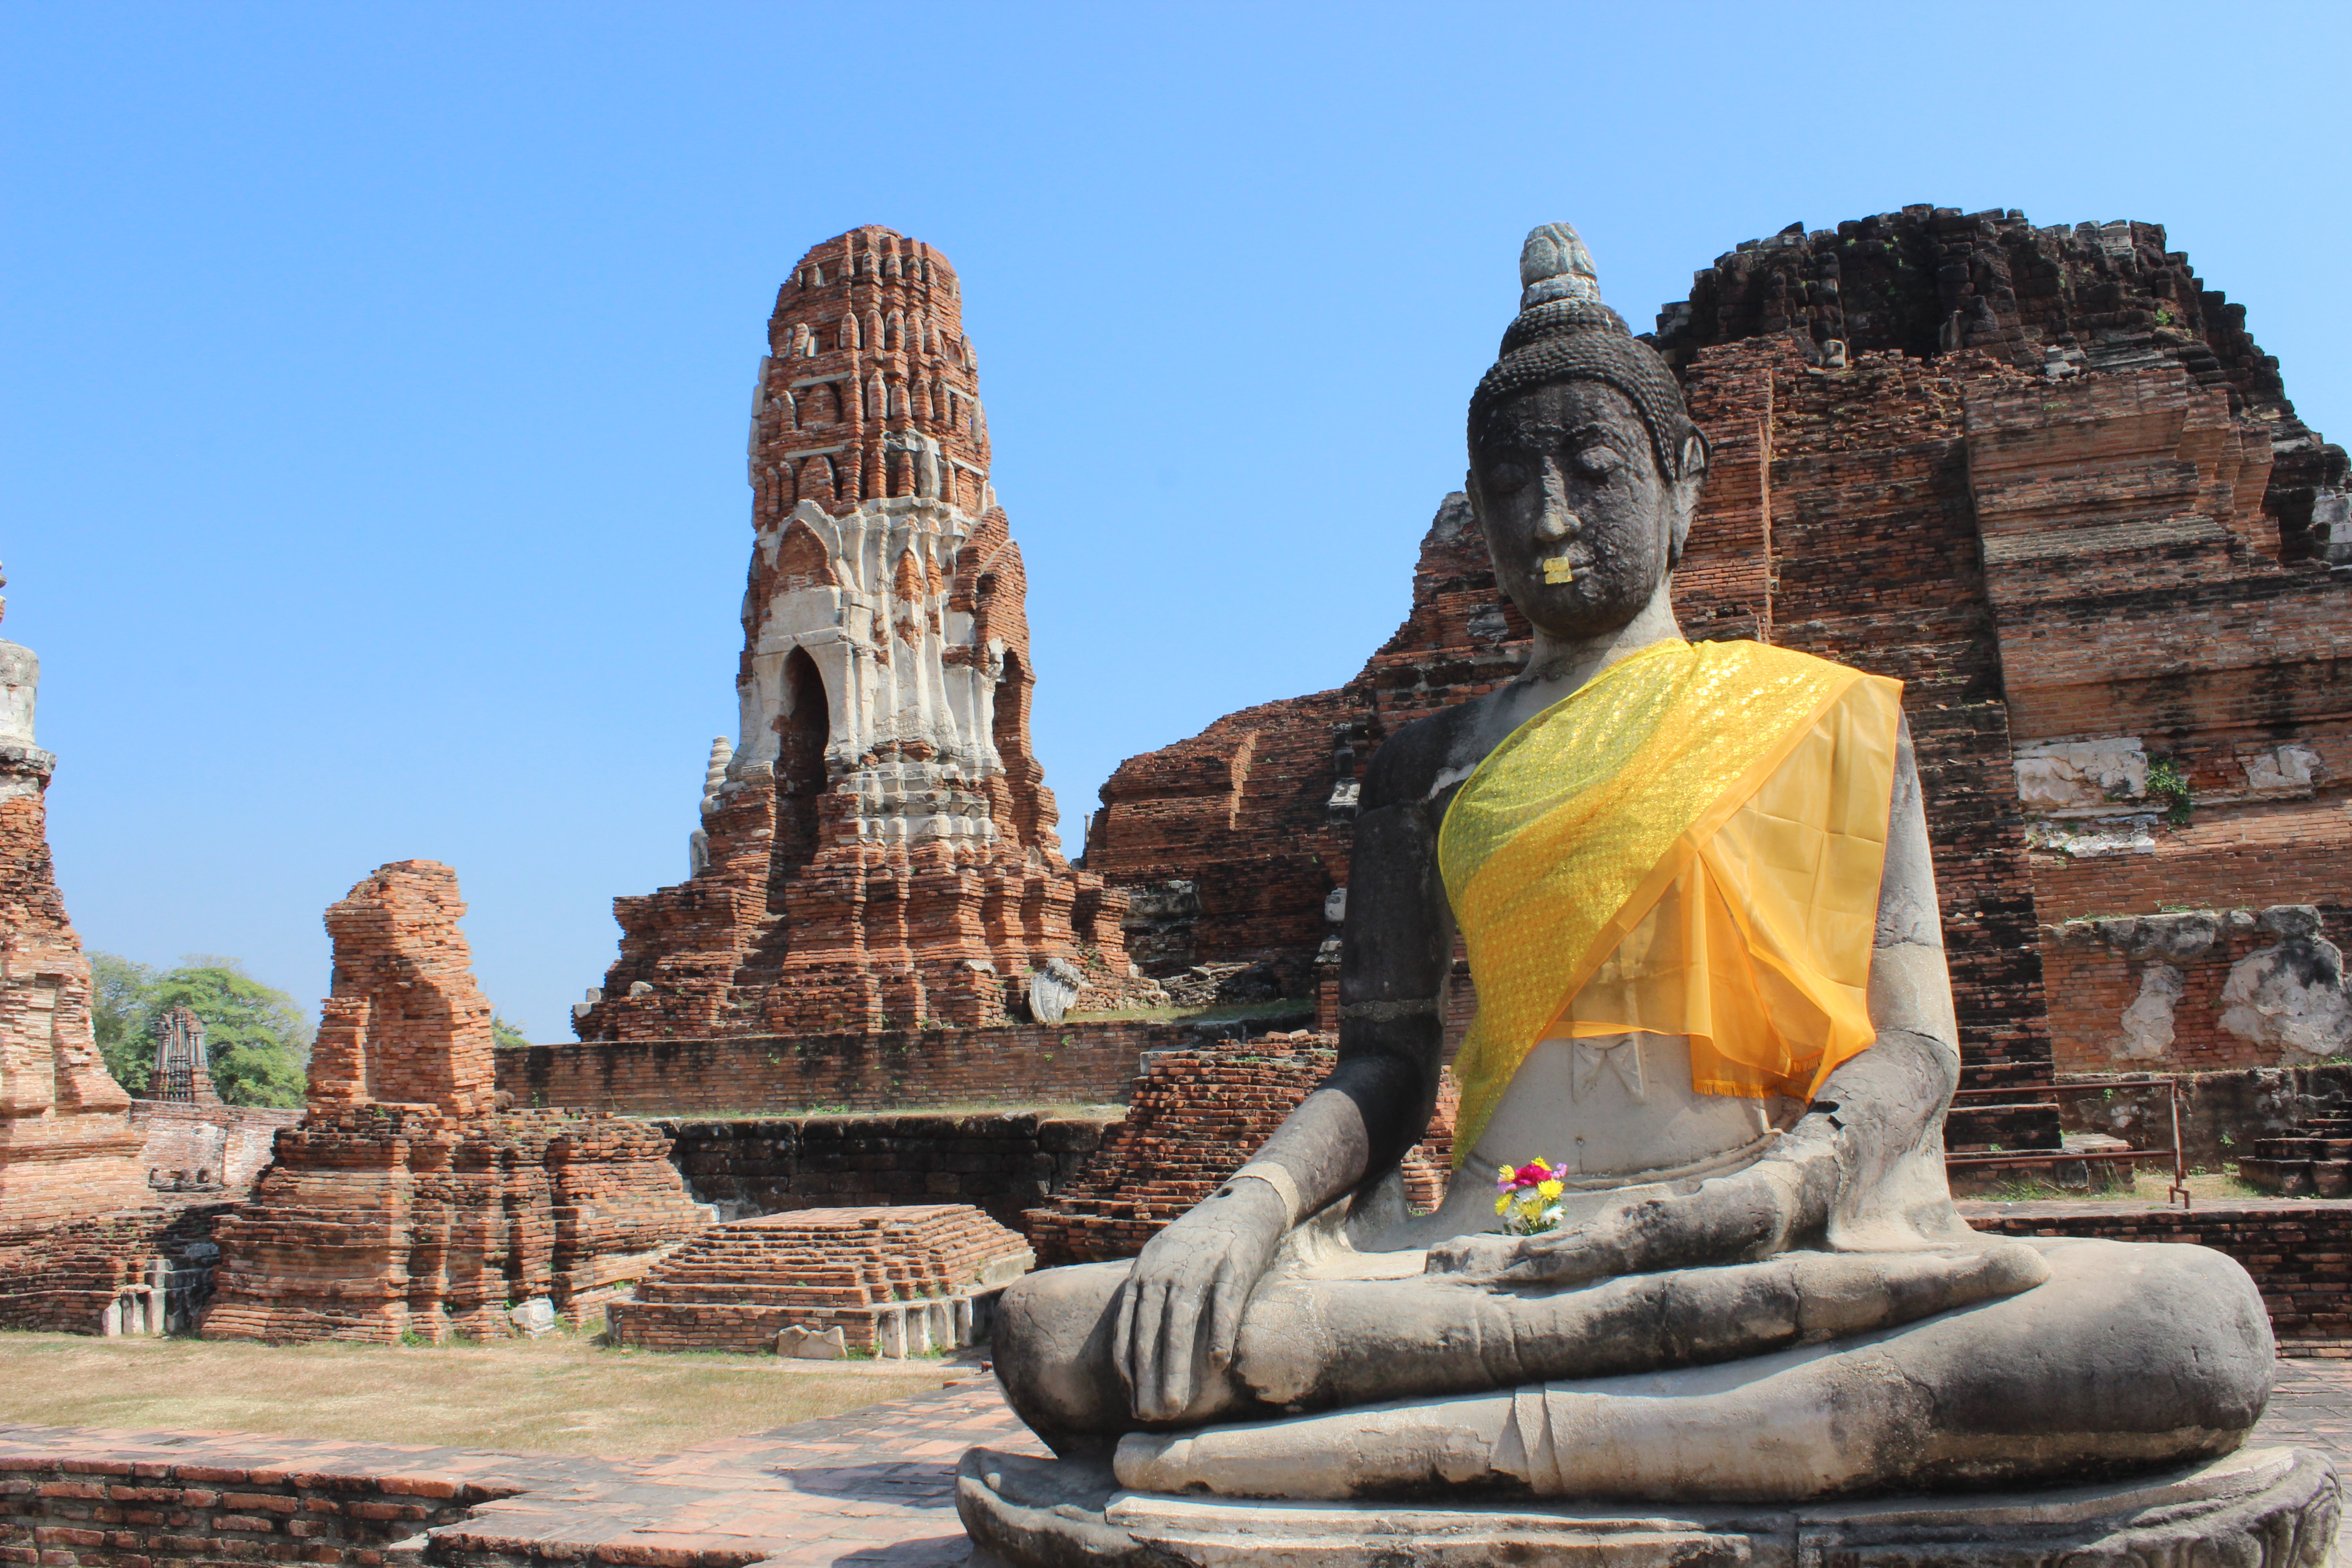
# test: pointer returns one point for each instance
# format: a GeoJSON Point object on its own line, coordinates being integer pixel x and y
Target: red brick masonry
{"type": "Point", "coordinates": [735, 1286]}
{"type": "Point", "coordinates": [1071, 1063]}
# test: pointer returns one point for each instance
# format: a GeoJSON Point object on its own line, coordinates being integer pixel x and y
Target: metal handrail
{"type": "Point", "coordinates": [2180, 1188]}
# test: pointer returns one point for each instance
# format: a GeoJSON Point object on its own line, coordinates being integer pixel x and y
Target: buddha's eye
{"type": "Point", "coordinates": [1596, 464]}
{"type": "Point", "coordinates": [1508, 471]}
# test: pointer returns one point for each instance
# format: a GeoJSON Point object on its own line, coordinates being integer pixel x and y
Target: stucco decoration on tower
{"type": "Point", "coordinates": [876, 846]}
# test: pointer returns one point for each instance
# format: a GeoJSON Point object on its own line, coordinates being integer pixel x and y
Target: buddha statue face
{"type": "Point", "coordinates": [1582, 525]}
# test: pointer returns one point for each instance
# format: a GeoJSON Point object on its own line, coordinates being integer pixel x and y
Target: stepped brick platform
{"type": "Point", "coordinates": [380, 1221]}
{"type": "Point", "coordinates": [2300, 1254]}
{"type": "Point", "coordinates": [874, 1488]}
{"type": "Point", "coordinates": [405, 1204]}
{"type": "Point", "coordinates": [1194, 1119]}
{"type": "Point", "coordinates": [877, 850]}
{"type": "Point", "coordinates": [895, 1281]}
{"type": "Point", "coordinates": [2311, 1159]}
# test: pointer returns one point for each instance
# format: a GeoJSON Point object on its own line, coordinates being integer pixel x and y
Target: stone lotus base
{"type": "Point", "coordinates": [2262, 1508]}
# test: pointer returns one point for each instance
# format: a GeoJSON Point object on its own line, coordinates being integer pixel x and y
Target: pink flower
{"type": "Point", "coordinates": [1527, 1176]}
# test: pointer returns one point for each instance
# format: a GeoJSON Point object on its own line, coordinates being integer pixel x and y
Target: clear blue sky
{"type": "Point", "coordinates": [372, 470]}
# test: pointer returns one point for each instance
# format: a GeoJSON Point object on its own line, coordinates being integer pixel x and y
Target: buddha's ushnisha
{"type": "Point", "coordinates": [1695, 887]}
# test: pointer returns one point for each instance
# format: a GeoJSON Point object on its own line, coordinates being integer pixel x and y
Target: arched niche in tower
{"type": "Point", "coordinates": [1004, 726]}
{"type": "Point", "coordinates": [805, 726]}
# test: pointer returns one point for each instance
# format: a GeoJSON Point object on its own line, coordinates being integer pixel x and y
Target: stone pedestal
{"type": "Point", "coordinates": [2259, 1507]}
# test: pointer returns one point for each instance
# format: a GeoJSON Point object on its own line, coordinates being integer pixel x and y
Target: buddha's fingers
{"type": "Point", "coordinates": [1312, 1345]}
{"type": "Point", "coordinates": [1725, 1219]}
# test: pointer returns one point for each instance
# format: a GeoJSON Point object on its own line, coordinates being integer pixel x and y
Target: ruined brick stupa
{"type": "Point", "coordinates": [67, 1147]}
{"type": "Point", "coordinates": [877, 847]}
{"type": "Point", "coordinates": [407, 1202]}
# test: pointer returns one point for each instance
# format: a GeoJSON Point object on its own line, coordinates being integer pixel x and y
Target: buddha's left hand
{"type": "Point", "coordinates": [1729, 1219]}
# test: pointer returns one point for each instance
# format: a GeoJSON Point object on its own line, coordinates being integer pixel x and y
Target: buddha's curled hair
{"type": "Point", "coordinates": [1565, 333]}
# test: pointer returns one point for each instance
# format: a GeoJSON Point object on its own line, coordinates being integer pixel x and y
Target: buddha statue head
{"type": "Point", "coordinates": [1584, 466]}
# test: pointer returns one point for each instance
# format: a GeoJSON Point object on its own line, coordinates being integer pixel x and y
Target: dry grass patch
{"type": "Point", "coordinates": [2149, 1184]}
{"type": "Point", "coordinates": [561, 1395]}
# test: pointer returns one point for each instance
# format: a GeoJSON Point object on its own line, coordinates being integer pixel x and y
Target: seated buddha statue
{"type": "Point", "coordinates": [1694, 885]}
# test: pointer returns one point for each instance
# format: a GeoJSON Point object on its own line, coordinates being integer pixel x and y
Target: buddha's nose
{"type": "Point", "coordinates": [1556, 523]}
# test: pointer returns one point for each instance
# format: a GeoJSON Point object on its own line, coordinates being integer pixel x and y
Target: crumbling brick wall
{"type": "Point", "coordinates": [2199, 990]}
{"type": "Point", "coordinates": [1076, 1062]}
{"type": "Point", "coordinates": [380, 1221]}
{"type": "Point", "coordinates": [409, 1026]}
{"type": "Point", "coordinates": [403, 1203]}
{"type": "Point", "coordinates": [1195, 1118]}
{"type": "Point", "coordinates": [1004, 1164]}
{"type": "Point", "coordinates": [212, 1148]}
{"type": "Point", "coordinates": [74, 1512]}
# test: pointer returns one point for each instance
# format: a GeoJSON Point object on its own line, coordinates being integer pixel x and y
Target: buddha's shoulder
{"type": "Point", "coordinates": [1764, 660]}
{"type": "Point", "coordinates": [1429, 756]}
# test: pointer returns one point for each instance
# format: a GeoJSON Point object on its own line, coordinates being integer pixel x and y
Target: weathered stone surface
{"type": "Point", "coordinates": [877, 850]}
{"type": "Point", "coordinates": [2272, 1508]}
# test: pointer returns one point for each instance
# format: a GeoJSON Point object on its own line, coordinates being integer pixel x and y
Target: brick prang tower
{"type": "Point", "coordinates": [876, 847]}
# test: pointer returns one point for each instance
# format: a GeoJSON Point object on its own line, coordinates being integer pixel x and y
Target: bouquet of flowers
{"type": "Point", "coordinates": [1527, 1197]}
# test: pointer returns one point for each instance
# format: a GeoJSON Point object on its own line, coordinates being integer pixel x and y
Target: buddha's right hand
{"type": "Point", "coordinates": [1179, 1311]}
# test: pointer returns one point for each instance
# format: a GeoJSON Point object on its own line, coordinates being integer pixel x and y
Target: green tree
{"type": "Point", "coordinates": [507, 1037]}
{"type": "Point", "coordinates": [121, 992]}
{"type": "Point", "coordinates": [257, 1039]}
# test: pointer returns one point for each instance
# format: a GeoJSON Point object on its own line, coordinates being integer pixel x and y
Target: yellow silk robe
{"type": "Point", "coordinates": [1690, 844]}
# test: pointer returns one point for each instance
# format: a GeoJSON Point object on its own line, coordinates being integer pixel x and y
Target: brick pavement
{"type": "Point", "coordinates": [873, 1488]}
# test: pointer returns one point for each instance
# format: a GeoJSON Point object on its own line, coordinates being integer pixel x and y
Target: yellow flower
{"type": "Point", "coordinates": [1550, 1189]}
{"type": "Point", "coordinates": [1503, 1203]}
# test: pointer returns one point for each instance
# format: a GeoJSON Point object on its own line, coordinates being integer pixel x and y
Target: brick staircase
{"type": "Point", "coordinates": [2313, 1160]}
